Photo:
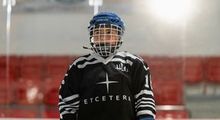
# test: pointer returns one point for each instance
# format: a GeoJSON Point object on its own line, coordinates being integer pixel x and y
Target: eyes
{"type": "Point", "coordinates": [105, 31]}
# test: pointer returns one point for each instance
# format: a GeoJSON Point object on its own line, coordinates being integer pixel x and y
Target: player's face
{"type": "Point", "coordinates": [106, 35]}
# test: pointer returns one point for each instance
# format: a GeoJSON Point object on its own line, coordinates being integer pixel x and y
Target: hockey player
{"type": "Point", "coordinates": [107, 84]}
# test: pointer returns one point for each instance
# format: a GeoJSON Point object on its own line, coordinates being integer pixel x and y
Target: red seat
{"type": "Point", "coordinates": [193, 70]}
{"type": "Point", "coordinates": [212, 69]}
{"type": "Point", "coordinates": [51, 112]}
{"type": "Point", "coordinates": [165, 68]}
{"type": "Point", "coordinates": [13, 67]}
{"type": "Point", "coordinates": [28, 92]}
{"type": "Point", "coordinates": [51, 92]}
{"type": "Point", "coordinates": [58, 60]}
{"type": "Point", "coordinates": [23, 113]}
{"type": "Point", "coordinates": [2, 67]}
{"type": "Point", "coordinates": [32, 67]}
{"type": "Point", "coordinates": [51, 96]}
{"type": "Point", "coordinates": [168, 92]}
{"type": "Point", "coordinates": [3, 113]}
{"type": "Point", "coordinates": [172, 114]}
{"type": "Point", "coordinates": [7, 85]}
{"type": "Point", "coordinates": [6, 93]}
{"type": "Point", "coordinates": [57, 66]}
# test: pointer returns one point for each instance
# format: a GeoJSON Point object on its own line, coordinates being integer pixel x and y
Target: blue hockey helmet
{"type": "Point", "coordinates": [106, 30]}
{"type": "Point", "coordinates": [106, 18]}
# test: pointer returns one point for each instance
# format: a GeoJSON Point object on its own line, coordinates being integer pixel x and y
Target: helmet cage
{"type": "Point", "coordinates": [105, 39]}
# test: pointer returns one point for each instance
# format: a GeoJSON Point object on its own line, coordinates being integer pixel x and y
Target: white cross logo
{"type": "Point", "coordinates": [107, 82]}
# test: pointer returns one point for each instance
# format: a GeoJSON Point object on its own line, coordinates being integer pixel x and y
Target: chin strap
{"type": "Point", "coordinates": [88, 48]}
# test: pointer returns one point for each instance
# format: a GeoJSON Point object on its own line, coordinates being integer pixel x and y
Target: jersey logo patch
{"type": "Point", "coordinates": [121, 67]}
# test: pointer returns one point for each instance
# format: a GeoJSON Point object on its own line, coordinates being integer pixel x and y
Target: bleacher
{"type": "Point", "coordinates": [32, 89]}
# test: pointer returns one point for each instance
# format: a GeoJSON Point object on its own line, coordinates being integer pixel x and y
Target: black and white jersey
{"type": "Point", "coordinates": [116, 88]}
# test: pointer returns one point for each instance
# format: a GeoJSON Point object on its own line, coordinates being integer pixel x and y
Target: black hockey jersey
{"type": "Point", "coordinates": [116, 88]}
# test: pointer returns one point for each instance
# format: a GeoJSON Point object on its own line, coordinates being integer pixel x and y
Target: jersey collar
{"type": "Point", "coordinates": [101, 59]}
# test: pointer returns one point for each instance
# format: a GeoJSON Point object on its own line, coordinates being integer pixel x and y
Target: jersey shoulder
{"type": "Point", "coordinates": [129, 55]}
{"type": "Point", "coordinates": [80, 60]}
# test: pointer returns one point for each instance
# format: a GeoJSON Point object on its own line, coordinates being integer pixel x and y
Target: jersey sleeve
{"type": "Point", "coordinates": [143, 92]}
{"type": "Point", "coordinates": [69, 94]}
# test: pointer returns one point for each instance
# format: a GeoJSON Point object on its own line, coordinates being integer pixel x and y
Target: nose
{"type": "Point", "coordinates": [105, 37]}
